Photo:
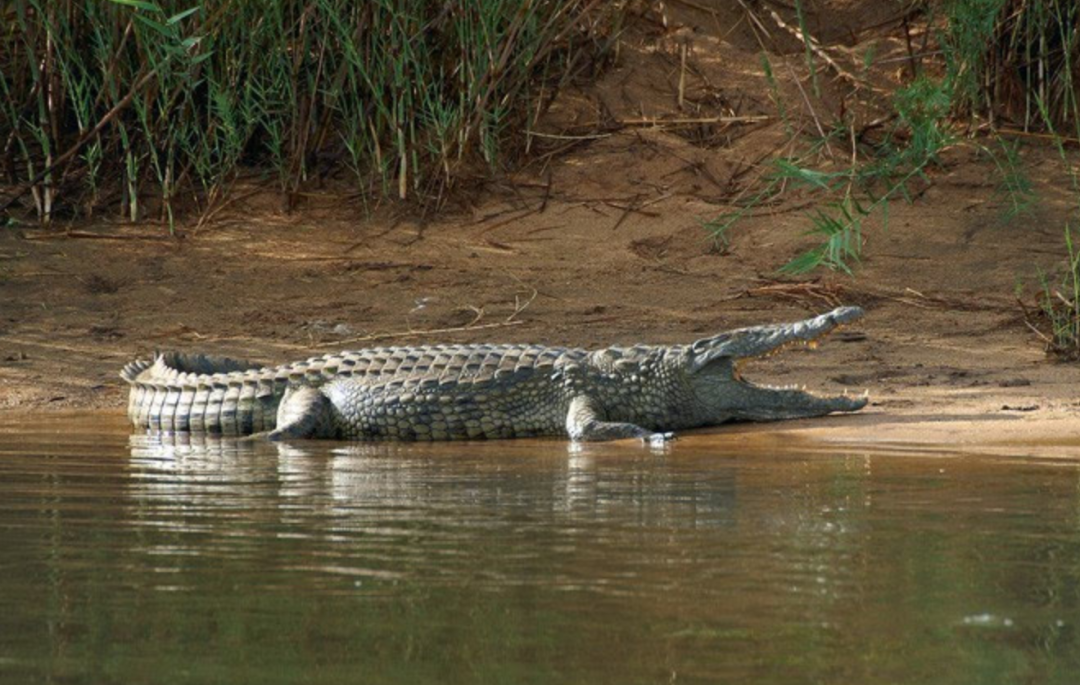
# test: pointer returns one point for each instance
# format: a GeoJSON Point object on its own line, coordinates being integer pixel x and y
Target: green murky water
{"type": "Point", "coordinates": [123, 560]}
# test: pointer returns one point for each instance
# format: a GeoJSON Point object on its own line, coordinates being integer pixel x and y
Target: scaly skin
{"type": "Point", "coordinates": [447, 392]}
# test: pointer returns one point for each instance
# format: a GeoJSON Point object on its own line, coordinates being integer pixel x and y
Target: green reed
{"type": "Point", "coordinates": [142, 105]}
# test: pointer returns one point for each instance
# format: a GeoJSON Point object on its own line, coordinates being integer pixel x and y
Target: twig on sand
{"type": "Point", "coordinates": [86, 235]}
{"type": "Point", "coordinates": [560, 136]}
{"type": "Point", "coordinates": [410, 334]}
{"type": "Point", "coordinates": [831, 295]}
{"type": "Point", "coordinates": [691, 121]}
{"type": "Point", "coordinates": [1044, 337]}
{"type": "Point", "coordinates": [636, 206]}
{"type": "Point", "coordinates": [1031, 134]}
{"type": "Point", "coordinates": [511, 320]}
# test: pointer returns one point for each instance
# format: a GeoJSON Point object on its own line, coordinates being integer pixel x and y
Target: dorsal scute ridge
{"type": "Point", "coordinates": [177, 369]}
{"type": "Point", "coordinates": [174, 369]}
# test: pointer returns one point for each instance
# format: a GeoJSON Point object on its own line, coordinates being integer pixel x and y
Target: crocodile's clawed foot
{"type": "Point", "coordinates": [658, 439]}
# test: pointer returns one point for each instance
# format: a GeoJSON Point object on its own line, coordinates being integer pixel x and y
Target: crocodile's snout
{"type": "Point", "coordinates": [842, 315]}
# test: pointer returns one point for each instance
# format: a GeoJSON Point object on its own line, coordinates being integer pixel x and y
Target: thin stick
{"type": "Point", "coordinates": [651, 121]}
{"type": "Point", "coordinates": [756, 22]}
{"type": "Point", "coordinates": [410, 334]}
{"type": "Point", "coordinates": [1039, 333]}
{"type": "Point", "coordinates": [556, 136]}
{"type": "Point", "coordinates": [806, 99]}
{"type": "Point", "coordinates": [86, 235]}
{"type": "Point", "coordinates": [816, 48]}
{"type": "Point", "coordinates": [510, 320]}
{"type": "Point", "coordinates": [682, 75]}
{"type": "Point", "coordinates": [1031, 134]}
{"type": "Point", "coordinates": [910, 49]}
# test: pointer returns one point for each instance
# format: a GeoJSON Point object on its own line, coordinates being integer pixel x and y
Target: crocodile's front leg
{"type": "Point", "coordinates": [585, 423]}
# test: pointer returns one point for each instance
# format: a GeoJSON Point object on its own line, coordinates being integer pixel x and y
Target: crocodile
{"type": "Point", "coordinates": [447, 392]}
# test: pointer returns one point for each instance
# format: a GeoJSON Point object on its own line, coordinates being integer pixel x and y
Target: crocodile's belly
{"type": "Point", "coordinates": [459, 411]}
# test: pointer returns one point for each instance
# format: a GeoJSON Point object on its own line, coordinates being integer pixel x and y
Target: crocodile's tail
{"type": "Point", "coordinates": [194, 392]}
{"type": "Point", "coordinates": [131, 371]}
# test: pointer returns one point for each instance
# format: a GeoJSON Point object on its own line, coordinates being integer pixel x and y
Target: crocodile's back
{"type": "Point", "coordinates": [195, 392]}
{"type": "Point", "coordinates": [454, 392]}
{"type": "Point", "coordinates": [442, 364]}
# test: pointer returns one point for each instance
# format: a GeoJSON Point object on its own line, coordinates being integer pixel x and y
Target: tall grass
{"type": "Point", "coordinates": [1015, 62]}
{"type": "Point", "coordinates": [144, 105]}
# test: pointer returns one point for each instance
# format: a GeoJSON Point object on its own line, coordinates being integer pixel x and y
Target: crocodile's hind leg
{"type": "Point", "coordinates": [585, 423]}
{"type": "Point", "coordinates": [304, 412]}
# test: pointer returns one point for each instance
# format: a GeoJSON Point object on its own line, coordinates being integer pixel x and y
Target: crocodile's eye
{"type": "Point", "coordinates": [706, 344]}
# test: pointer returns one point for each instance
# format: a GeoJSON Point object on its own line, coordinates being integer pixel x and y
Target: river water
{"type": "Point", "coordinates": [722, 559]}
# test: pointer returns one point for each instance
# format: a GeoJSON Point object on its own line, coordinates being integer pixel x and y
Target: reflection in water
{"type": "Point", "coordinates": [229, 561]}
{"type": "Point", "coordinates": [358, 480]}
{"type": "Point", "coordinates": [398, 510]}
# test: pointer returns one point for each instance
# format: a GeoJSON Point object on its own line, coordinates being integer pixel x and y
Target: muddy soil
{"type": "Point", "coordinates": [598, 240]}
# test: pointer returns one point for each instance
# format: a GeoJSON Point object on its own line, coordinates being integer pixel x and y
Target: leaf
{"type": "Point", "coordinates": [868, 58]}
{"type": "Point", "coordinates": [139, 4]}
{"type": "Point", "coordinates": [804, 263]}
{"type": "Point", "coordinates": [812, 177]}
{"type": "Point", "coordinates": [154, 25]}
{"type": "Point", "coordinates": [180, 16]}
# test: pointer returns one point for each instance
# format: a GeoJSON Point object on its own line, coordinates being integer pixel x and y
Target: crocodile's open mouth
{"type": "Point", "coordinates": [747, 401]}
{"type": "Point", "coordinates": [811, 342]}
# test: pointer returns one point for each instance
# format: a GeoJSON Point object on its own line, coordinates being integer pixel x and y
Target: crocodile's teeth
{"type": "Point", "coordinates": [812, 344]}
